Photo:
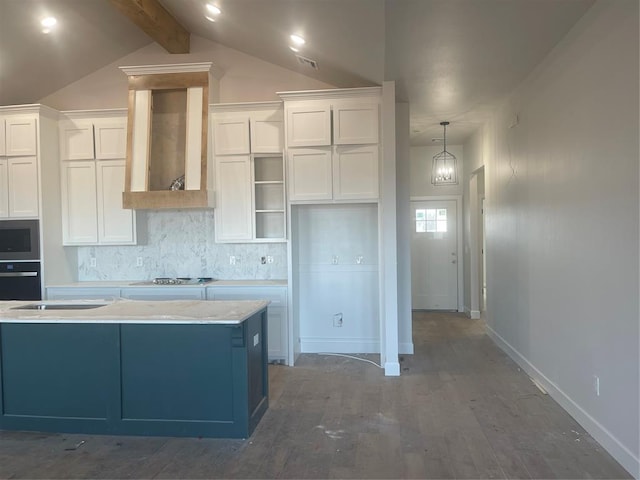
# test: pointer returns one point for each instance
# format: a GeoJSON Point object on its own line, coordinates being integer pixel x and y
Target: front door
{"type": "Point", "coordinates": [434, 269]}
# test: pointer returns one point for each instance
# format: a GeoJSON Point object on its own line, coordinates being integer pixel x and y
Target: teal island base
{"type": "Point", "coordinates": [196, 379]}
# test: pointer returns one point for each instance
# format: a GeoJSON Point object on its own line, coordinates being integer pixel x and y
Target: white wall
{"type": "Point", "coordinates": [562, 226]}
{"type": "Point", "coordinates": [245, 79]}
{"type": "Point", "coordinates": [420, 183]}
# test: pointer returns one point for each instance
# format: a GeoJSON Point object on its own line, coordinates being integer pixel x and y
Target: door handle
{"type": "Point", "coordinates": [18, 274]}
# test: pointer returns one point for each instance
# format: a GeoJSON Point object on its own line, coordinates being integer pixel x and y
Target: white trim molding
{"type": "Point", "coordinates": [173, 68]}
{"type": "Point", "coordinates": [459, 238]}
{"type": "Point", "coordinates": [628, 459]}
{"type": "Point", "coordinates": [405, 348]}
{"type": "Point", "coordinates": [374, 92]}
{"type": "Point", "coordinates": [339, 345]}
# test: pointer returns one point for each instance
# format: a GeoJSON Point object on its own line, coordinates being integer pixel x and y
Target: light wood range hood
{"type": "Point", "coordinates": [167, 136]}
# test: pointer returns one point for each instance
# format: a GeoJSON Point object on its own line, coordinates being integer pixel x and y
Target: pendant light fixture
{"type": "Point", "coordinates": [443, 169]}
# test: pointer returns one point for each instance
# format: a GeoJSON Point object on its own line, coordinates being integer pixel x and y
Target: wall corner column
{"type": "Point", "coordinates": [388, 236]}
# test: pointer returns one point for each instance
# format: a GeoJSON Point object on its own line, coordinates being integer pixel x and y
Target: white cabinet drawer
{"type": "Point", "coordinates": [82, 293]}
{"type": "Point", "coordinates": [276, 295]}
{"type": "Point", "coordinates": [163, 293]}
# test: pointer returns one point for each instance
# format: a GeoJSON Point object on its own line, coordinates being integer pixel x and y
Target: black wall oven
{"type": "Point", "coordinates": [20, 276]}
{"type": "Point", "coordinates": [20, 281]}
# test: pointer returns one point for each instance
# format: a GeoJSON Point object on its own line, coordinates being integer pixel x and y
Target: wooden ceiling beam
{"type": "Point", "coordinates": [156, 22]}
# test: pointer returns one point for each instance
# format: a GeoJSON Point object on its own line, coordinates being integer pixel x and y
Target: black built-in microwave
{"type": "Point", "coordinates": [19, 240]}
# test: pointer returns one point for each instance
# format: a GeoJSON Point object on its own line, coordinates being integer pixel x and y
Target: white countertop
{"type": "Point", "coordinates": [136, 311]}
{"type": "Point", "coordinates": [141, 283]}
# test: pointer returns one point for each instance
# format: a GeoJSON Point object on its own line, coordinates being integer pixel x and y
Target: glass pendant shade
{"type": "Point", "coordinates": [444, 169]}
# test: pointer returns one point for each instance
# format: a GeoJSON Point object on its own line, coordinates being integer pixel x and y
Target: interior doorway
{"type": "Point", "coordinates": [434, 255]}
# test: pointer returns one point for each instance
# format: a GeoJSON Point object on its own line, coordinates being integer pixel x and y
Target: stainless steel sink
{"type": "Point", "coordinates": [59, 306]}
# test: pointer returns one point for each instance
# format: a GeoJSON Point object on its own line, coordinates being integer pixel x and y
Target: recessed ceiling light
{"type": "Point", "coordinates": [210, 18]}
{"type": "Point", "coordinates": [213, 9]}
{"type": "Point", "coordinates": [294, 49]}
{"type": "Point", "coordinates": [48, 22]}
{"type": "Point", "coordinates": [297, 39]}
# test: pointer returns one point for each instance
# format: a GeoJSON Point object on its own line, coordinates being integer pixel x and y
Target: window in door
{"type": "Point", "coordinates": [431, 220]}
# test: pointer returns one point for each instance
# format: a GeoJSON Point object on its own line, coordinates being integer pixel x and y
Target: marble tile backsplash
{"type": "Point", "coordinates": [180, 243]}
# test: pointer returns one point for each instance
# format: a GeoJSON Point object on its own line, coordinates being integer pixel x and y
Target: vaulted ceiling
{"type": "Point", "coordinates": [451, 59]}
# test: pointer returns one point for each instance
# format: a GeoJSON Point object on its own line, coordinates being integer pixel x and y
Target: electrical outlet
{"type": "Point", "coordinates": [269, 259]}
{"type": "Point", "coordinates": [359, 259]}
{"type": "Point", "coordinates": [93, 262]}
{"type": "Point", "coordinates": [337, 320]}
{"type": "Point", "coordinates": [334, 259]}
{"type": "Point", "coordinates": [139, 261]}
{"type": "Point", "coordinates": [232, 259]}
{"type": "Point", "coordinates": [596, 385]}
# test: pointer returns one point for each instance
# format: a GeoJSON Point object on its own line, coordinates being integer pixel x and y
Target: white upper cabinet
{"type": "Point", "coordinates": [240, 129]}
{"type": "Point", "coordinates": [309, 126]}
{"type": "Point", "coordinates": [4, 188]}
{"type": "Point", "coordinates": [18, 167]}
{"type": "Point", "coordinates": [267, 135]}
{"type": "Point", "coordinates": [116, 225]}
{"type": "Point", "coordinates": [355, 124]}
{"type": "Point", "coordinates": [79, 204]}
{"type": "Point", "coordinates": [233, 198]}
{"type": "Point", "coordinates": [310, 176]}
{"type": "Point", "coordinates": [250, 189]}
{"type": "Point", "coordinates": [76, 140]}
{"type": "Point", "coordinates": [3, 143]}
{"type": "Point", "coordinates": [102, 139]}
{"type": "Point", "coordinates": [110, 139]}
{"type": "Point", "coordinates": [231, 136]}
{"type": "Point", "coordinates": [333, 145]}
{"type": "Point", "coordinates": [93, 151]}
{"type": "Point", "coordinates": [355, 172]}
{"type": "Point", "coordinates": [23, 191]}
{"type": "Point", "coordinates": [20, 136]}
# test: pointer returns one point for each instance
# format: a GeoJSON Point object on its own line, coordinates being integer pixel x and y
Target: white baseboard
{"type": "Point", "coordinates": [473, 314]}
{"type": "Point", "coordinates": [339, 345]}
{"type": "Point", "coordinates": [405, 348]}
{"type": "Point", "coordinates": [611, 444]}
{"type": "Point", "coordinates": [391, 369]}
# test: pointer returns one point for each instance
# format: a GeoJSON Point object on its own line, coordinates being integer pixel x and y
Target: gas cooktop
{"type": "Point", "coordinates": [176, 281]}
{"type": "Point", "coordinates": [181, 280]}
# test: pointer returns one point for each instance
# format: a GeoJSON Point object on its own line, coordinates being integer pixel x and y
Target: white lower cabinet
{"type": "Point", "coordinates": [82, 293]}
{"type": "Point", "coordinates": [92, 212]}
{"type": "Point", "coordinates": [277, 317]}
{"type": "Point", "coordinates": [276, 312]}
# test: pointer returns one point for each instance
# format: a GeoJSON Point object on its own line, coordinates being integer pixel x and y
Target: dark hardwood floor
{"type": "Point", "coordinates": [461, 409]}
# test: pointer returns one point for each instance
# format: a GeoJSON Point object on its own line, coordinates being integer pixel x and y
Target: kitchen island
{"type": "Point", "coordinates": [173, 368]}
